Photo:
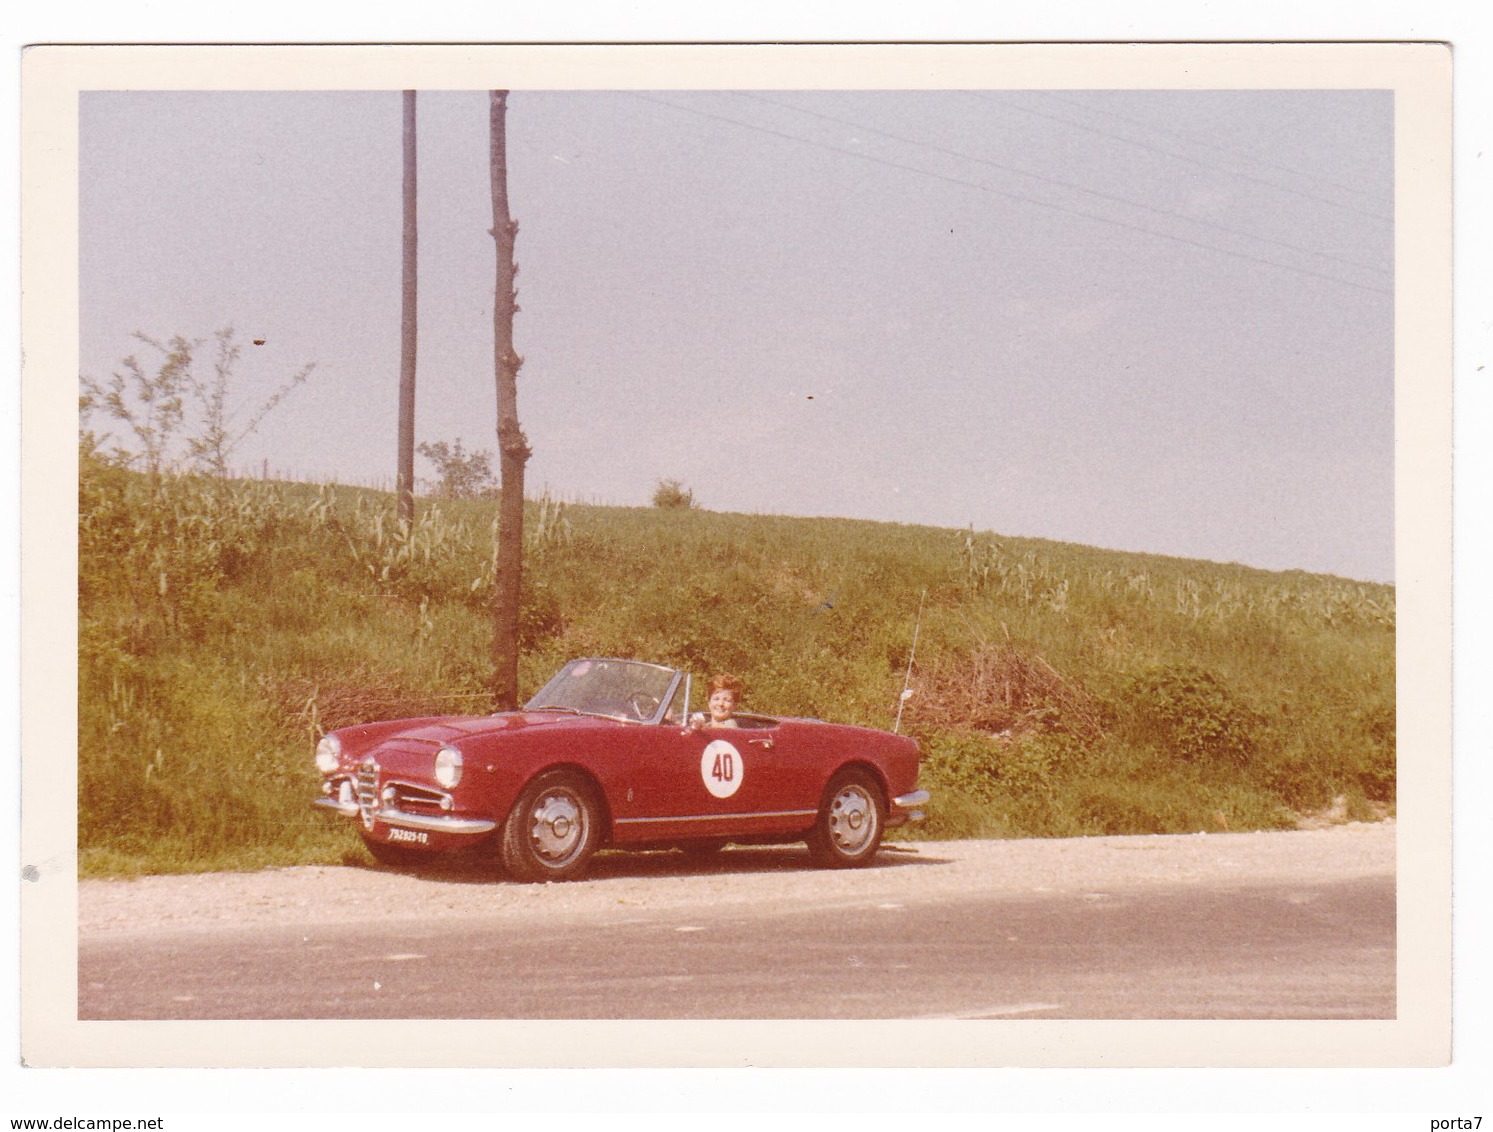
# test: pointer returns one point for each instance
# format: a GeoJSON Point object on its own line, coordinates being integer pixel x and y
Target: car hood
{"type": "Point", "coordinates": [453, 730]}
{"type": "Point", "coordinates": [427, 734]}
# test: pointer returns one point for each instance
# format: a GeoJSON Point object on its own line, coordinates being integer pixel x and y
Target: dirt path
{"type": "Point", "coordinates": [915, 871]}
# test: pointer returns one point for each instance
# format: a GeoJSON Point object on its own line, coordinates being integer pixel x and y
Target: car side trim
{"type": "Point", "coordinates": [721, 817]}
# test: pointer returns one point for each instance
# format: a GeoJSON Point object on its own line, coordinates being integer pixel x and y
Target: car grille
{"type": "Point", "coordinates": [417, 800]}
{"type": "Point", "coordinates": [367, 785]}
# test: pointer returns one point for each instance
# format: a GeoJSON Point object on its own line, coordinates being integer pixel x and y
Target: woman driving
{"type": "Point", "coordinates": [724, 694]}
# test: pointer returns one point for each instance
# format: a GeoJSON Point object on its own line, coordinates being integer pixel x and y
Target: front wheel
{"type": "Point", "coordinates": [553, 829]}
{"type": "Point", "coordinates": [850, 823]}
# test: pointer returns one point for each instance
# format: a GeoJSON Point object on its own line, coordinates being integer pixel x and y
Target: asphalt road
{"type": "Point", "coordinates": [760, 935]}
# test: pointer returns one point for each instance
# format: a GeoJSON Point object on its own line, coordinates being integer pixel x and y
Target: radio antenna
{"type": "Point", "coordinates": [907, 680]}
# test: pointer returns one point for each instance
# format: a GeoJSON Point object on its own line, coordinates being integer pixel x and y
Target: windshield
{"type": "Point", "coordinates": [621, 689]}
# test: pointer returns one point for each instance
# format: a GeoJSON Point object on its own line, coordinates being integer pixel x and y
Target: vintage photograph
{"type": "Point", "coordinates": [702, 537]}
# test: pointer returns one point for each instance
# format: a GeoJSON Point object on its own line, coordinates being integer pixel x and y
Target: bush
{"type": "Point", "coordinates": [1375, 767]}
{"type": "Point", "coordinates": [1000, 688]}
{"type": "Point", "coordinates": [985, 767]}
{"type": "Point", "coordinates": [671, 495]}
{"type": "Point", "coordinates": [1188, 711]}
{"type": "Point", "coordinates": [1351, 753]}
{"type": "Point", "coordinates": [463, 474]}
{"type": "Point", "coordinates": [965, 764]}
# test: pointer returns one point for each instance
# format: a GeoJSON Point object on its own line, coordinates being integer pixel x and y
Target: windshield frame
{"type": "Point", "coordinates": [559, 691]}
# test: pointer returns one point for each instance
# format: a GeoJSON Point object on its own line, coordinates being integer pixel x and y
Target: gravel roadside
{"type": "Point", "coordinates": [912, 872]}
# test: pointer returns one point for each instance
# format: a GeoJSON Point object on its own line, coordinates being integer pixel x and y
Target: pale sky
{"type": "Point", "coordinates": [1148, 320]}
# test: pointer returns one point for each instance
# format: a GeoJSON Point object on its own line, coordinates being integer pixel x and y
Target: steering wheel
{"type": "Point", "coordinates": [643, 705]}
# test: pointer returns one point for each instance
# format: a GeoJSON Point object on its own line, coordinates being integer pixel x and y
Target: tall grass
{"type": "Point", "coordinates": [1058, 690]}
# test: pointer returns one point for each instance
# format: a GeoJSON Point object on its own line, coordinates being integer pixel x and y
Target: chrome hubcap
{"type": "Point", "coordinates": [852, 819]}
{"type": "Point", "coordinates": [559, 827]}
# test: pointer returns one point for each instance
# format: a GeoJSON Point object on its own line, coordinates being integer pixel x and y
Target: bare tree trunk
{"type": "Point", "coordinates": [408, 323]}
{"type": "Point", "coordinates": [513, 446]}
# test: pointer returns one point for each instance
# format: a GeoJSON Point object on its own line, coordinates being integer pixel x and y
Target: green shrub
{"type": "Point", "coordinates": [1187, 711]}
{"type": "Point", "coordinates": [462, 474]}
{"type": "Point", "coordinates": [671, 495]}
{"type": "Point", "coordinates": [963, 763]}
{"type": "Point", "coordinates": [1348, 752]}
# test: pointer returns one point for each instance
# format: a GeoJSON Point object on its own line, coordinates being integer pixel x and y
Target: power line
{"type": "Point", "coordinates": [1234, 151]}
{"type": "Point", "coordinates": [1183, 157]}
{"type": "Point", "coordinates": [1065, 184]}
{"type": "Point", "coordinates": [1011, 196]}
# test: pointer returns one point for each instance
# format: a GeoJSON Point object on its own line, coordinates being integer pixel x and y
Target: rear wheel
{"type": "Point", "coordinates": [553, 829]}
{"type": "Point", "coordinates": [850, 823]}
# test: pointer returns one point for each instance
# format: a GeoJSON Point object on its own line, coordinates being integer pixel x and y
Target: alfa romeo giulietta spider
{"type": "Point", "coordinates": [606, 755]}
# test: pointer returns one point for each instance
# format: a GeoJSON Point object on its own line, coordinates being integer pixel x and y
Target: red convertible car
{"type": "Point", "coordinates": [605, 756]}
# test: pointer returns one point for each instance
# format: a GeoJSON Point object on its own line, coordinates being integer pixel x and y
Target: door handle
{"type": "Point", "coordinates": [765, 744]}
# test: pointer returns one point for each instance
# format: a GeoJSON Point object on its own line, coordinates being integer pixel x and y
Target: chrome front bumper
{"type": "Point", "coordinates": [904, 809]}
{"type": "Point", "coordinates": [401, 820]}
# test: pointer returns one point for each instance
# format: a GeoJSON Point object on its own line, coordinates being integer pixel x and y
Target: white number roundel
{"type": "Point", "coordinates": [721, 768]}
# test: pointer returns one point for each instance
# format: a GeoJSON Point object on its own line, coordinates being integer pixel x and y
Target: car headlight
{"type": "Point", "coordinates": [448, 767]}
{"type": "Point", "coordinates": [328, 754]}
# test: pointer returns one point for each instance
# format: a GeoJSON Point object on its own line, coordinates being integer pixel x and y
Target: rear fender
{"type": "Point", "coordinates": [868, 768]}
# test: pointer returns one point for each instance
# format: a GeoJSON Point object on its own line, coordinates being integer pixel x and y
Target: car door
{"type": "Point", "coordinates": [715, 782]}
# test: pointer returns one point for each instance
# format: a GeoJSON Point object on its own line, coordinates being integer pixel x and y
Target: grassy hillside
{"type": "Point", "coordinates": [1059, 689]}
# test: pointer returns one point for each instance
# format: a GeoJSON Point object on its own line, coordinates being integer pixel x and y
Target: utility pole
{"type": "Point", "coordinates": [406, 478]}
{"type": "Point", "coordinates": [513, 446]}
